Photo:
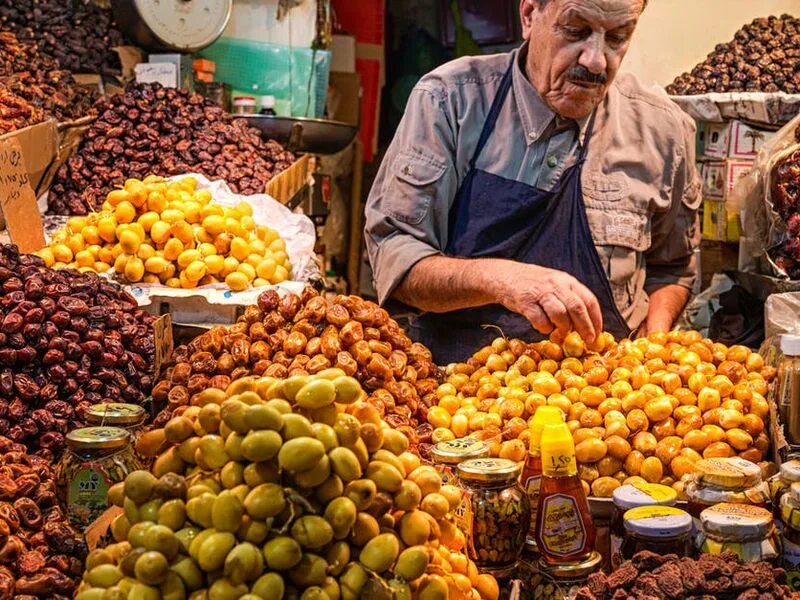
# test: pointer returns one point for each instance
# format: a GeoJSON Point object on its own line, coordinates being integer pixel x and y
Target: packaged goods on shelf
{"type": "Point", "coordinates": [150, 130]}
{"type": "Point", "coordinates": [292, 335]}
{"type": "Point", "coordinates": [639, 411]}
{"type": "Point", "coordinates": [276, 487]}
{"type": "Point", "coordinates": [68, 340]}
{"type": "Point", "coordinates": [733, 139]}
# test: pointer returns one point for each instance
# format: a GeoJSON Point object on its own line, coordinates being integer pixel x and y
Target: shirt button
{"type": "Point", "coordinates": [552, 161]}
{"type": "Point", "coordinates": [408, 170]}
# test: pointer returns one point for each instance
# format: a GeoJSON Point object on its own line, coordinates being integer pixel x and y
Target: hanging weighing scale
{"type": "Point", "coordinates": [183, 26]}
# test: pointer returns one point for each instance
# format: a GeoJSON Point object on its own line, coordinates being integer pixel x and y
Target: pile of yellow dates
{"type": "Point", "coordinates": [157, 232]}
{"type": "Point", "coordinates": [639, 410]}
{"type": "Point", "coordinates": [283, 489]}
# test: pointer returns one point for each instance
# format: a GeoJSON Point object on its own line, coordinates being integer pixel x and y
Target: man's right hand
{"type": "Point", "coordinates": [551, 300]}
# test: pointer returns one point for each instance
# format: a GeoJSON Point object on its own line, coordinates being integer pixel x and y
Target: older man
{"type": "Point", "coordinates": [537, 191]}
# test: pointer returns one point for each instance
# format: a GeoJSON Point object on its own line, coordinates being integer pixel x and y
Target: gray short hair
{"type": "Point", "coordinates": [543, 3]}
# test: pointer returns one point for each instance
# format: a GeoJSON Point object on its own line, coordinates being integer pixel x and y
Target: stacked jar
{"type": "Point", "coordinates": [789, 510]}
{"type": "Point", "coordinates": [779, 484]}
{"type": "Point", "coordinates": [660, 529]}
{"type": "Point", "coordinates": [730, 480]}
{"type": "Point", "coordinates": [631, 496]}
{"type": "Point", "coordinates": [747, 530]}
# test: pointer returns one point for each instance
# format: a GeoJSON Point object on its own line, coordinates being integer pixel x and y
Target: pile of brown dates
{"type": "Point", "coordinates": [67, 340]}
{"type": "Point", "coordinates": [786, 201]}
{"type": "Point", "coordinates": [764, 56]}
{"type": "Point", "coordinates": [41, 556]}
{"type": "Point", "coordinates": [151, 130]}
{"type": "Point", "coordinates": [302, 335]}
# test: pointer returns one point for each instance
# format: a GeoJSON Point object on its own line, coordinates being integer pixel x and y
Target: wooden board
{"type": "Point", "coordinates": [285, 186]}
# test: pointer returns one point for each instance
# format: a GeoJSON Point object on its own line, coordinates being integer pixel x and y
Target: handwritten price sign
{"type": "Point", "coordinates": [18, 200]}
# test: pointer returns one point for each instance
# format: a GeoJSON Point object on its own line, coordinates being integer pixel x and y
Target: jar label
{"type": "Point", "coordinates": [532, 485]}
{"type": "Point", "coordinates": [87, 497]}
{"type": "Point", "coordinates": [463, 515]}
{"type": "Point", "coordinates": [562, 528]}
{"type": "Point", "coordinates": [446, 473]}
{"type": "Point", "coordinates": [791, 563]}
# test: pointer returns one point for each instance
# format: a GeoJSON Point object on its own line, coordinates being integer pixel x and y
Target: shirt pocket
{"type": "Point", "coordinates": [415, 177]}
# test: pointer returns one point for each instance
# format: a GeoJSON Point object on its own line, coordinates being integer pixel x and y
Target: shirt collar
{"type": "Point", "coordinates": [537, 118]}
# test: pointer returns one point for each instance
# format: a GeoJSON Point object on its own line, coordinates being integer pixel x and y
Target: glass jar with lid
{"type": "Point", "coordinates": [732, 480]}
{"type": "Point", "coordinates": [447, 455]}
{"type": "Point", "coordinates": [660, 529]}
{"type": "Point", "coordinates": [790, 534]}
{"type": "Point", "coordinates": [96, 458]}
{"type": "Point", "coordinates": [498, 513]}
{"type": "Point", "coordinates": [788, 473]}
{"type": "Point", "coordinates": [747, 530]}
{"type": "Point", "coordinates": [558, 582]}
{"type": "Point", "coordinates": [130, 417]}
{"type": "Point", "coordinates": [631, 496]}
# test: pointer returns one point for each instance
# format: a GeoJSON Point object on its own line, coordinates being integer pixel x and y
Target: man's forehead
{"type": "Point", "coordinates": [609, 12]}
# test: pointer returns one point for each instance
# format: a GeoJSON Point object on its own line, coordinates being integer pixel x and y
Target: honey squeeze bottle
{"type": "Point", "coordinates": [531, 477]}
{"type": "Point", "coordinates": [565, 532]}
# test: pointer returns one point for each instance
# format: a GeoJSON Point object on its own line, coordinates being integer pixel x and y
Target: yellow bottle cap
{"type": "Point", "coordinates": [545, 415]}
{"type": "Point", "coordinates": [558, 451]}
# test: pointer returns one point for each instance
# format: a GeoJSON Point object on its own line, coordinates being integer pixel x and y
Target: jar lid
{"type": "Point", "coordinates": [730, 473]}
{"type": "Point", "coordinates": [115, 413]}
{"type": "Point", "coordinates": [790, 344]}
{"type": "Point", "coordinates": [244, 101]}
{"type": "Point", "coordinates": [644, 494]}
{"type": "Point", "coordinates": [453, 452]}
{"type": "Point", "coordinates": [488, 469]}
{"type": "Point", "coordinates": [657, 521]}
{"type": "Point", "coordinates": [572, 570]}
{"type": "Point", "coordinates": [98, 437]}
{"type": "Point", "coordinates": [737, 521]}
{"type": "Point", "coordinates": [790, 470]}
{"type": "Point", "coordinates": [794, 492]}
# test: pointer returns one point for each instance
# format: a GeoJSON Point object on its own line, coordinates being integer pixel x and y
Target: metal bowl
{"type": "Point", "coordinates": [299, 134]}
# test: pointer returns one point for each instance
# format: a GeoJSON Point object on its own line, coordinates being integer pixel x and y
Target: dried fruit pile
{"type": "Point", "coordinates": [274, 488]}
{"type": "Point", "coordinates": [33, 88]}
{"type": "Point", "coordinates": [41, 556]}
{"type": "Point", "coordinates": [171, 234]}
{"type": "Point", "coordinates": [786, 201]}
{"type": "Point", "coordinates": [151, 130]}
{"type": "Point", "coordinates": [649, 575]}
{"type": "Point", "coordinates": [304, 335]}
{"type": "Point", "coordinates": [764, 56]}
{"type": "Point", "coordinates": [67, 340]}
{"type": "Point", "coordinates": [76, 33]}
{"type": "Point", "coordinates": [644, 409]}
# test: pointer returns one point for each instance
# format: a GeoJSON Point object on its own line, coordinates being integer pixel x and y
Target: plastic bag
{"type": "Point", "coordinates": [780, 314]}
{"type": "Point", "coordinates": [762, 228]}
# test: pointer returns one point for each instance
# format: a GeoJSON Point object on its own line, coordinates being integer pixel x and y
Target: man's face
{"type": "Point", "coordinates": [575, 49]}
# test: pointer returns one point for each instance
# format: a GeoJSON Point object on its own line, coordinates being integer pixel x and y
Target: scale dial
{"type": "Point", "coordinates": [177, 25]}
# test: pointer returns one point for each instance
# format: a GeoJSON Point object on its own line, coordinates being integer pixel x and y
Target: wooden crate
{"type": "Point", "coordinates": [285, 186]}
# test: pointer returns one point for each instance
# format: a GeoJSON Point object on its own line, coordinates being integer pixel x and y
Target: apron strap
{"type": "Point", "coordinates": [586, 138]}
{"type": "Point", "coordinates": [494, 112]}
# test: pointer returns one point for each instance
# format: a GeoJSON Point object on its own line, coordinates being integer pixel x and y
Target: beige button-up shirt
{"type": "Point", "coordinates": [640, 184]}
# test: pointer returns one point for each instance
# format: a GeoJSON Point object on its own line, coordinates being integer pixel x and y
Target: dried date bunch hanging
{"type": "Point", "coordinates": [41, 556]}
{"type": "Point", "coordinates": [763, 57]}
{"type": "Point", "coordinates": [303, 335]}
{"type": "Point", "coordinates": [67, 340]}
{"type": "Point", "coordinates": [151, 130]}
{"type": "Point", "coordinates": [33, 87]}
{"type": "Point", "coordinates": [786, 201]}
{"type": "Point", "coordinates": [78, 34]}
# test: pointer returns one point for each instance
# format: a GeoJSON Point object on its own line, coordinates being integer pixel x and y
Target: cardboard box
{"type": "Point", "coordinates": [715, 220]}
{"type": "Point", "coordinates": [734, 139]}
{"type": "Point", "coordinates": [344, 97]}
{"type": "Point", "coordinates": [343, 54]}
{"type": "Point", "coordinates": [39, 147]}
{"type": "Point", "coordinates": [720, 177]}
{"type": "Point", "coordinates": [287, 184]}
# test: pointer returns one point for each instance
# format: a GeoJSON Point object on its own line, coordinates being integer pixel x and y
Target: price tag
{"type": "Point", "coordinates": [18, 200]}
{"type": "Point", "coordinates": [162, 333]}
{"type": "Point", "coordinates": [99, 528]}
{"type": "Point", "coordinates": [164, 73]}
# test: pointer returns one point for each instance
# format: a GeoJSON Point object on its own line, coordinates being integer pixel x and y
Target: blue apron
{"type": "Point", "coordinates": [500, 218]}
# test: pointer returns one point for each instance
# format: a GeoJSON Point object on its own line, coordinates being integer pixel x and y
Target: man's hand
{"type": "Point", "coordinates": [551, 300]}
{"type": "Point", "coordinates": [666, 305]}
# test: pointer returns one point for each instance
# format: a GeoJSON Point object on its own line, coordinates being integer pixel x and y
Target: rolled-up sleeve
{"type": "Point", "coordinates": [408, 206]}
{"type": "Point", "coordinates": [675, 232]}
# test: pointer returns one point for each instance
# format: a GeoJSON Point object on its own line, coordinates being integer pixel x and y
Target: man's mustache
{"type": "Point", "coordinates": [579, 73]}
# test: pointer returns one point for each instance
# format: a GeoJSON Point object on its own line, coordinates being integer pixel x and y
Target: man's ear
{"type": "Point", "coordinates": [526, 10]}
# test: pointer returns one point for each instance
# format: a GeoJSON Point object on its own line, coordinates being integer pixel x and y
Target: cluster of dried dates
{"type": "Point", "coordinates": [67, 340]}
{"type": "Point", "coordinates": [33, 87]}
{"type": "Point", "coordinates": [301, 335]}
{"type": "Point", "coordinates": [786, 201]}
{"type": "Point", "coordinates": [652, 576]}
{"type": "Point", "coordinates": [151, 130]}
{"type": "Point", "coordinates": [764, 56]}
{"type": "Point", "coordinates": [78, 34]}
{"type": "Point", "coordinates": [41, 556]}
